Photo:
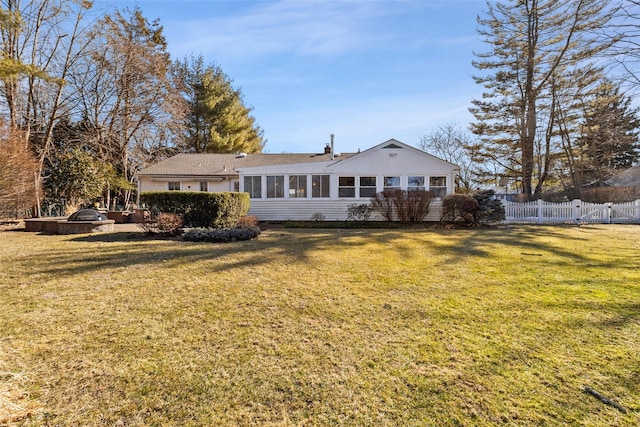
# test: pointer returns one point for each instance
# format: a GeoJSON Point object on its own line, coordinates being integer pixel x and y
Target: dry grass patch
{"type": "Point", "coordinates": [16, 404]}
{"type": "Point", "coordinates": [325, 327]}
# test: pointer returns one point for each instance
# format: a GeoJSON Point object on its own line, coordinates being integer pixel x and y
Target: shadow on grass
{"type": "Point", "coordinates": [124, 249]}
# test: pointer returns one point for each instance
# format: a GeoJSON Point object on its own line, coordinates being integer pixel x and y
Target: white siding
{"type": "Point", "coordinates": [161, 184]}
{"type": "Point", "coordinates": [306, 209]}
{"type": "Point", "coordinates": [147, 184]}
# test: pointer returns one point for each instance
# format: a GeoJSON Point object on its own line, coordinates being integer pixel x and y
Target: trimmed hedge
{"type": "Point", "coordinates": [199, 209]}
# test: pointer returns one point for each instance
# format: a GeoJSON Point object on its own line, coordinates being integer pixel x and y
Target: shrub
{"type": "Point", "coordinates": [480, 208]}
{"type": "Point", "coordinates": [168, 223]}
{"type": "Point", "coordinates": [318, 217]}
{"type": "Point", "coordinates": [359, 212]}
{"type": "Point", "coordinates": [165, 223]}
{"type": "Point", "coordinates": [490, 209]}
{"type": "Point", "coordinates": [225, 235]}
{"type": "Point", "coordinates": [401, 205]}
{"type": "Point", "coordinates": [248, 221]}
{"type": "Point", "coordinates": [595, 195]}
{"type": "Point", "coordinates": [459, 208]}
{"type": "Point", "coordinates": [611, 194]}
{"type": "Point", "coordinates": [200, 209]}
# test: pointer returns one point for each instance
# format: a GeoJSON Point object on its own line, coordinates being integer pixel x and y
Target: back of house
{"type": "Point", "coordinates": [306, 186]}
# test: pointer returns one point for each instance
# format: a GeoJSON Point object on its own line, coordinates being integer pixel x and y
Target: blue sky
{"type": "Point", "coordinates": [364, 70]}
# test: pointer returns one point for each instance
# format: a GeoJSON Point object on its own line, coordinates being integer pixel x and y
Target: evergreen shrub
{"type": "Point", "coordinates": [199, 209]}
{"type": "Point", "coordinates": [490, 209]}
{"type": "Point", "coordinates": [359, 212]}
{"type": "Point", "coordinates": [225, 235]}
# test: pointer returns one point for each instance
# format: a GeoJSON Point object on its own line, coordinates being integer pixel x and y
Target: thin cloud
{"type": "Point", "coordinates": [286, 27]}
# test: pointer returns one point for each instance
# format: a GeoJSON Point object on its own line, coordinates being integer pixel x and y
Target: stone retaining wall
{"type": "Point", "coordinates": [44, 225]}
{"type": "Point", "coordinates": [62, 226]}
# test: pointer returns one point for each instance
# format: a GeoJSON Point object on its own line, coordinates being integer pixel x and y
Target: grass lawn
{"type": "Point", "coordinates": [299, 327]}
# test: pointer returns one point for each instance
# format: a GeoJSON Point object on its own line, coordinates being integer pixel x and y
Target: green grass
{"type": "Point", "coordinates": [478, 327]}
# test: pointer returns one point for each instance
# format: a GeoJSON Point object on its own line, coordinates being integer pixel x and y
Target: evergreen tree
{"type": "Point", "coordinates": [218, 120]}
{"type": "Point", "coordinates": [609, 139]}
{"type": "Point", "coordinates": [534, 45]}
{"type": "Point", "coordinates": [78, 177]}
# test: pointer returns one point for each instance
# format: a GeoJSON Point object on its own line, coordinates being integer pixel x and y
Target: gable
{"type": "Point", "coordinates": [394, 157]}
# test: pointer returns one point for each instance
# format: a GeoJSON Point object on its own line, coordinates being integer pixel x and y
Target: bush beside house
{"type": "Point", "coordinates": [199, 209]}
{"type": "Point", "coordinates": [480, 208]}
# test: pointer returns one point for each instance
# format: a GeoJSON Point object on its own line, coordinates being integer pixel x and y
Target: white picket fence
{"type": "Point", "coordinates": [575, 212]}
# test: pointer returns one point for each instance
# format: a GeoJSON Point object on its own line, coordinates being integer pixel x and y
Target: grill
{"type": "Point", "coordinates": [87, 215]}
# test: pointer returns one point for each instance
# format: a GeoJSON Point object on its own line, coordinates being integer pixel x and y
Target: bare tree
{"type": "Point", "coordinates": [625, 31]}
{"type": "Point", "coordinates": [127, 94]}
{"type": "Point", "coordinates": [453, 144]}
{"type": "Point", "coordinates": [17, 170]}
{"type": "Point", "coordinates": [43, 39]}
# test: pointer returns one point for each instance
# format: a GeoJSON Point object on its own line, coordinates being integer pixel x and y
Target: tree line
{"type": "Point", "coordinates": [557, 112]}
{"type": "Point", "coordinates": [86, 103]}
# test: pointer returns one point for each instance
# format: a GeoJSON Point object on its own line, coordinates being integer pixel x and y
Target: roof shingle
{"type": "Point", "coordinates": [226, 164]}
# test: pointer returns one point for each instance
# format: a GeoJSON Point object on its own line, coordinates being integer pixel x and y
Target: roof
{"type": "Point", "coordinates": [627, 178]}
{"type": "Point", "coordinates": [395, 144]}
{"type": "Point", "coordinates": [227, 164]}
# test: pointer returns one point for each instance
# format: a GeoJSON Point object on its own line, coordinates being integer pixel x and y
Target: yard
{"type": "Point", "coordinates": [421, 327]}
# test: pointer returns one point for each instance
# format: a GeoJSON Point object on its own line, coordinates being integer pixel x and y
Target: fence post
{"type": "Point", "coordinates": [576, 210]}
{"type": "Point", "coordinates": [539, 211]}
{"type": "Point", "coordinates": [608, 214]}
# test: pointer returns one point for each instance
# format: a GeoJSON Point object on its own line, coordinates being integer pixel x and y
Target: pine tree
{"type": "Point", "coordinates": [533, 44]}
{"type": "Point", "coordinates": [218, 120]}
{"type": "Point", "coordinates": [609, 139]}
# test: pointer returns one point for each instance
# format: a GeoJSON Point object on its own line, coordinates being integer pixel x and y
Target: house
{"type": "Point", "coordinates": [627, 178]}
{"type": "Point", "coordinates": [306, 186]}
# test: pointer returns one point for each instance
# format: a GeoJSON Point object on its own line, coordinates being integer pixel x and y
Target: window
{"type": "Point", "coordinates": [173, 186]}
{"type": "Point", "coordinates": [438, 184]}
{"type": "Point", "coordinates": [368, 186]}
{"type": "Point", "coordinates": [391, 182]}
{"type": "Point", "coordinates": [346, 186]}
{"type": "Point", "coordinates": [253, 186]}
{"type": "Point", "coordinates": [416, 183]}
{"type": "Point", "coordinates": [204, 186]}
{"type": "Point", "coordinates": [297, 186]}
{"type": "Point", "coordinates": [275, 187]}
{"type": "Point", "coordinates": [320, 186]}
